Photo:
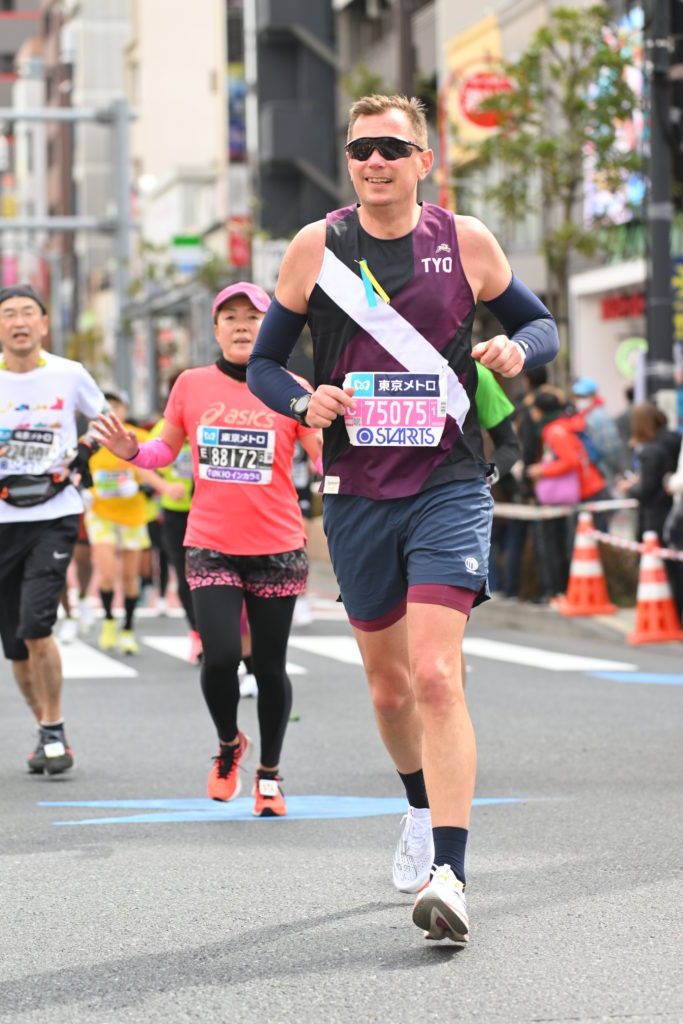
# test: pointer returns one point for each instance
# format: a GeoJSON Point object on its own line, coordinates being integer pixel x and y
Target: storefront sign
{"type": "Point", "coordinates": [614, 307]}
{"type": "Point", "coordinates": [475, 89]}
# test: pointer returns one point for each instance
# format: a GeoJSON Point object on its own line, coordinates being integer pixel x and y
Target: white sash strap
{"type": "Point", "coordinates": [393, 332]}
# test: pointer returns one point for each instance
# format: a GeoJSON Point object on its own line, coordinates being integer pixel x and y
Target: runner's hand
{"type": "Point", "coordinates": [108, 430]}
{"type": "Point", "coordinates": [174, 491]}
{"type": "Point", "coordinates": [500, 355]}
{"type": "Point", "coordinates": [328, 402]}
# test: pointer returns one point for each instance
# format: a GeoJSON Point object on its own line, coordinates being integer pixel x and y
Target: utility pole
{"type": "Point", "coordinates": [406, 50]}
{"type": "Point", "coordinates": [124, 341]}
{"type": "Point", "coordinates": [658, 49]}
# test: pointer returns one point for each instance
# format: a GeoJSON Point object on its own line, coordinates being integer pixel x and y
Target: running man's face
{"type": "Point", "coordinates": [379, 182]}
{"type": "Point", "coordinates": [236, 327]}
{"type": "Point", "coordinates": [23, 326]}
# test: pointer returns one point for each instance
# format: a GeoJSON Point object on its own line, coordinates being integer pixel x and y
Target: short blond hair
{"type": "Point", "coordinates": [378, 104]}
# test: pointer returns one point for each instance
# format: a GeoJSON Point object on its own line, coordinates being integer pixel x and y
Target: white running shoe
{"type": "Point", "coordinates": [162, 606]}
{"type": "Point", "coordinates": [68, 631]}
{"type": "Point", "coordinates": [303, 616]}
{"type": "Point", "coordinates": [248, 687]}
{"type": "Point", "coordinates": [441, 910]}
{"type": "Point", "coordinates": [85, 616]}
{"type": "Point", "coordinates": [414, 852]}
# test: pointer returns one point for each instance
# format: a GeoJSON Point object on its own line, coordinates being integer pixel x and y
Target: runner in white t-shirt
{"type": "Point", "coordinates": [40, 457]}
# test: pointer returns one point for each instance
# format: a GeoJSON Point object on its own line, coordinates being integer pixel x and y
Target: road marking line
{"type": "Point", "coordinates": [81, 661]}
{"type": "Point", "coordinates": [536, 657]}
{"type": "Point", "coordinates": [200, 809]}
{"type": "Point", "coordinates": [176, 647]}
{"type": "Point", "coordinates": [344, 649]}
{"type": "Point", "coordinates": [339, 648]}
{"type": "Point", "coordinates": [648, 678]}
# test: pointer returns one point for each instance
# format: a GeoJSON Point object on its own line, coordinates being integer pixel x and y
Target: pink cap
{"type": "Point", "coordinates": [258, 298]}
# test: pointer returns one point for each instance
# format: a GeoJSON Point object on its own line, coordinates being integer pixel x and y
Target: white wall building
{"type": "Point", "coordinates": [176, 85]}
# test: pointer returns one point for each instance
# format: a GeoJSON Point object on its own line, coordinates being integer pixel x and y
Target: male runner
{"type": "Point", "coordinates": [40, 398]}
{"type": "Point", "coordinates": [389, 288]}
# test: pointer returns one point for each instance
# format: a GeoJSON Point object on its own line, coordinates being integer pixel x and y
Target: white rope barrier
{"type": "Point", "coordinates": [510, 510]}
{"type": "Point", "coordinates": [535, 513]}
{"type": "Point", "coordinates": [633, 545]}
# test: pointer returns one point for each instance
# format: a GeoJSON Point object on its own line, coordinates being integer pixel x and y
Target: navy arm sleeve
{"type": "Point", "coordinates": [267, 375]}
{"type": "Point", "coordinates": [527, 322]}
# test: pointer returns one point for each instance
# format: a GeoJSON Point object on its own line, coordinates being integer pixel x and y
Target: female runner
{"type": "Point", "coordinates": [245, 537]}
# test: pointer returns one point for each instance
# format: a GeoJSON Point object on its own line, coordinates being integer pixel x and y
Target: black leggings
{"type": "Point", "coordinates": [218, 610]}
{"type": "Point", "coordinates": [173, 526]}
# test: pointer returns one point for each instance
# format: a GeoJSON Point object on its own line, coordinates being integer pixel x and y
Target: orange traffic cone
{"type": "Point", "coordinates": [657, 620]}
{"type": "Point", "coordinates": [587, 590]}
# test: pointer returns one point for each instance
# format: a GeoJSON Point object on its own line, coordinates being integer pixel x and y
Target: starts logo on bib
{"type": "Point", "coordinates": [471, 564]}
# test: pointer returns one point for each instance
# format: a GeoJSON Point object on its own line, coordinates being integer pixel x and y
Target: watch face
{"type": "Point", "coordinates": [301, 404]}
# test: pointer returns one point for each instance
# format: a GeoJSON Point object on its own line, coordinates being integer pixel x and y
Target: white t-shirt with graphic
{"type": "Point", "coordinates": [38, 433]}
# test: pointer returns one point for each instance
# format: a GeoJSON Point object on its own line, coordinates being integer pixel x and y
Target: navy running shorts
{"type": "Point", "coordinates": [381, 548]}
{"type": "Point", "coordinates": [34, 557]}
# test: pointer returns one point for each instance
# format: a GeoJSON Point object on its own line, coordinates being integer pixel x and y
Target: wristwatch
{"type": "Point", "coordinates": [299, 407]}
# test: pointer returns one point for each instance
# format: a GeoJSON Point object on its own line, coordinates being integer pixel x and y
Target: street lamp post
{"type": "Point", "coordinates": [659, 203]}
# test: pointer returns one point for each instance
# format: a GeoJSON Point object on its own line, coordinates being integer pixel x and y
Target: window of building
{"type": "Point", "coordinates": [6, 63]}
{"type": "Point", "coordinates": [8, 5]}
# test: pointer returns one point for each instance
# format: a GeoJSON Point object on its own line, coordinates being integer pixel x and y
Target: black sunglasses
{"type": "Point", "coordinates": [389, 148]}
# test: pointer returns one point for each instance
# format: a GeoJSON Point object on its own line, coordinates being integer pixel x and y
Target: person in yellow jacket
{"type": "Point", "coordinates": [117, 524]}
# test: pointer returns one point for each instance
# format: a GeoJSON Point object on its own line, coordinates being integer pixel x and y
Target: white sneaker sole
{"type": "Point", "coordinates": [411, 888]}
{"type": "Point", "coordinates": [439, 920]}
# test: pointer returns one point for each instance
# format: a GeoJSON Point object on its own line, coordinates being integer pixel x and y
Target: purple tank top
{"type": "Point", "coordinates": [419, 339]}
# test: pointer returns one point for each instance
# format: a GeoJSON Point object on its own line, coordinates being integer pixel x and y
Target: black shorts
{"type": "Point", "coordinates": [34, 557]}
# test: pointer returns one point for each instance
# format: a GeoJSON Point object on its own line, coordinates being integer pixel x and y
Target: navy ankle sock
{"type": "Point", "coordinates": [414, 783]}
{"type": "Point", "coordinates": [449, 848]}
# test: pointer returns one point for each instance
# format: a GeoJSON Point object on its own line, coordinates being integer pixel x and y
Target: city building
{"type": "Point", "coordinates": [18, 22]}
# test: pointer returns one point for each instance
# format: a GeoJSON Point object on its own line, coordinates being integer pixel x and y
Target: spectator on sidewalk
{"type": "Point", "coordinates": [563, 454]}
{"type": "Point", "coordinates": [599, 429]}
{"type": "Point", "coordinates": [529, 434]}
{"type": "Point", "coordinates": [656, 450]}
{"type": "Point", "coordinates": [622, 422]}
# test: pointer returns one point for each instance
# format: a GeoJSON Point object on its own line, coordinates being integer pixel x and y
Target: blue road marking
{"type": "Point", "coordinates": [649, 678]}
{"type": "Point", "coordinates": [299, 808]}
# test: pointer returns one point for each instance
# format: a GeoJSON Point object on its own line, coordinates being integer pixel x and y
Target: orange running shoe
{"type": "Point", "coordinates": [224, 781]}
{"type": "Point", "coordinates": [270, 801]}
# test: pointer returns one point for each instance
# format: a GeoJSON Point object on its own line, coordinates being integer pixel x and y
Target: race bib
{"type": "Point", "coordinates": [235, 456]}
{"type": "Point", "coordinates": [397, 410]}
{"type": "Point", "coordinates": [24, 450]}
{"type": "Point", "coordinates": [114, 483]}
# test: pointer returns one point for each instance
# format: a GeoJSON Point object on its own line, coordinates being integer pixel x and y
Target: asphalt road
{"type": "Point", "coordinates": [161, 906]}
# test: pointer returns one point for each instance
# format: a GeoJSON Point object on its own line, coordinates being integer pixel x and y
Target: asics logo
{"type": "Point", "coordinates": [471, 564]}
{"type": "Point", "coordinates": [60, 554]}
{"type": "Point", "coordinates": [443, 248]}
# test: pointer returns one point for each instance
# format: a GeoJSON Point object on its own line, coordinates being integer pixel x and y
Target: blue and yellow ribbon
{"type": "Point", "coordinates": [371, 284]}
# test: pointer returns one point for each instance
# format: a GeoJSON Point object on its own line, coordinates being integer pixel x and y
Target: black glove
{"type": "Point", "coordinates": [81, 463]}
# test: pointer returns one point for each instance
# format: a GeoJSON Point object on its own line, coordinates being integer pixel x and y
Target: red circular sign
{"type": "Point", "coordinates": [477, 88]}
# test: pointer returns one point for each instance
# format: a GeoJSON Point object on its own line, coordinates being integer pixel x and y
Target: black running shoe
{"type": "Point", "coordinates": [36, 759]}
{"type": "Point", "coordinates": [57, 754]}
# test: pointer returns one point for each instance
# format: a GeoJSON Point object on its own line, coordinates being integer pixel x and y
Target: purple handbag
{"type": "Point", "coordinates": [559, 490]}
